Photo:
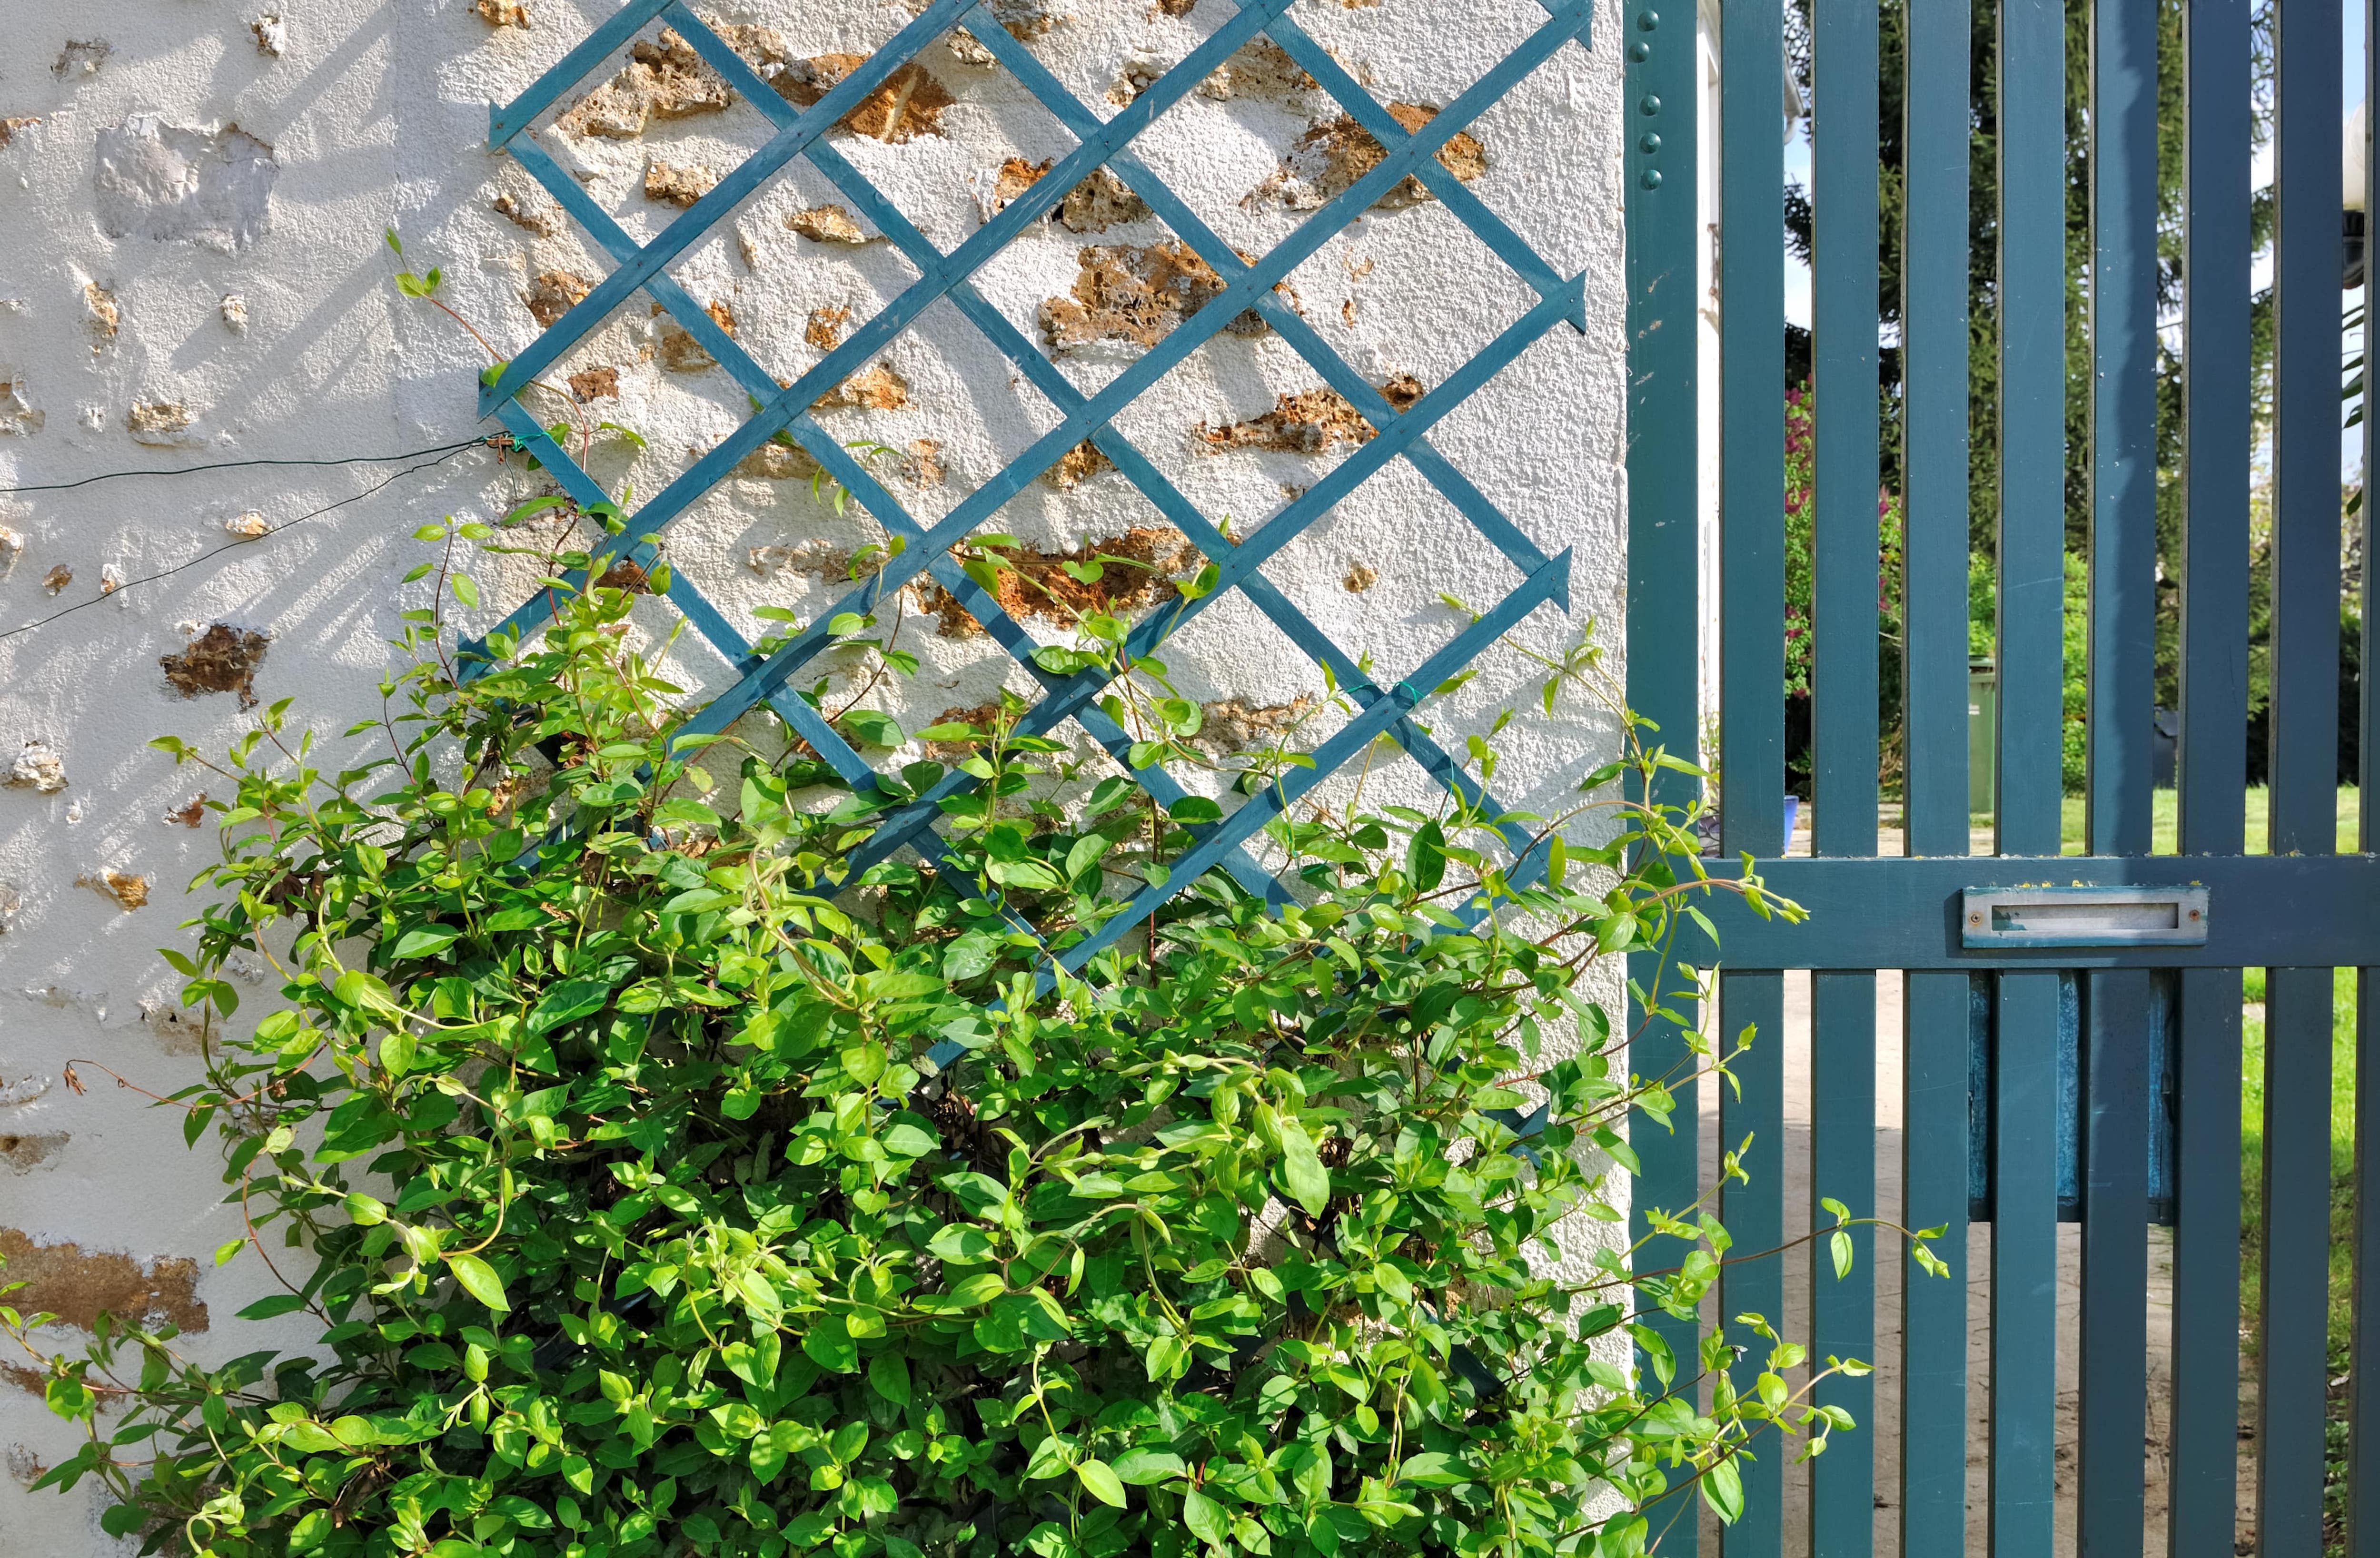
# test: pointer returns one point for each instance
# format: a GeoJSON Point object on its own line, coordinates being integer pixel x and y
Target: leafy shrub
{"type": "Point", "coordinates": [603, 1136]}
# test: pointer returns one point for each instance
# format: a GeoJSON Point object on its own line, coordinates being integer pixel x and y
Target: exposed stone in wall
{"type": "Point", "coordinates": [57, 578]}
{"type": "Point", "coordinates": [222, 660]}
{"type": "Point", "coordinates": [18, 416]}
{"type": "Point", "coordinates": [818, 558]}
{"type": "Point", "coordinates": [994, 188]}
{"type": "Point", "coordinates": [778, 461]}
{"type": "Point", "coordinates": [1099, 203]}
{"type": "Point", "coordinates": [1258, 68]}
{"type": "Point", "coordinates": [830, 225]}
{"type": "Point", "coordinates": [164, 423]}
{"type": "Point", "coordinates": [73, 1285]}
{"type": "Point", "coordinates": [12, 903]}
{"type": "Point", "coordinates": [595, 384]}
{"type": "Point", "coordinates": [1135, 293]}
{"type": "Point", "coordinates": [26, 1153]}
{"type": "Point", "coordinates": [503, 13]}
{"type": "Point", "coordinates": [234, 309]}
{"type": "Point", "coordinates": [665, 78]}
{"type": "Point", "coordinates": [12, 547]}
{"type": "Point", "coordinates": [101, 316]}
{"type": "Point", "coordinates": [680, 352]}
{"type": "Point", "coordinates": [880, 388]}
{"type": "Point", "coordinates": [1025, 20]}
{"type": "Point", "coordinates": [24, 1090]}
{"type": "Point", "coordinates": [211, 187]}
{"type": "Point", "coordinates": [190, 812]}
{"type": "Point", "coordinates": [82, 57]}
{"type": "Point", "coordinates": [554, 294]}
{"type": "Point", "coordinates": [9, 128]}
{"type": "Point", "coordinates": [271, 34]}
{"type": "Point", "coordinates": [38, 765]}
{"type": "Point", "coordinates": [908, 104]}
{"type": "Point", "coordinates": [1360, 577]}
{"type": "Point", "coordinates": [1310, 422]}
{"type": "Point", "coordinates": [1234, 725]}
{"type": "Point", "coordinates": [921, 462]}
{"type": "Point", "coordinates": [825, 328]}
{"type": "Point", "coordinates": [179, 1030]}
{"type": "Point", "coordinates": [1034, 583]}
{"type": "Point", "coordinates": [1077, 466]}
{"type": "Point", "coordinates": [128, 890]}
{"type": "Point", "coordinates": [1328, 158]}
{"type": "Point", "coordinates": [675, 186]}
{"type": "Point", "coordinates": [111, 578]}
{"type": "Point", "coordinates": [544, 221]}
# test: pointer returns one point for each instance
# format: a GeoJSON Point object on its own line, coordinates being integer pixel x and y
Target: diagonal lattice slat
{"type": "Point", "coordinates": [1248, 285]}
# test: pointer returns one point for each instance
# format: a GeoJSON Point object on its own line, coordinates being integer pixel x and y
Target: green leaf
{"type": "Point", "coordinates": [480, 1280]}
{"type": "Point", "coordinates": [422, 943]}
{"type": "Point", "coordinates": [273, 1304]}
{"type": "Point", "coordinates": [1425, 857]}
{"type": "Point", "coordinates": [1205, 1518]}
{"type": "Point", "coordinates": [888, 1375]}
{"type": "Point", "coordinates": [1100, 1480]}
{"type": "Point", "coordinates": [873, 728]}
{"type": "Point", "coordinates": [1302, 1169]}
{"type": "Point", "coordinates": [1723, 1491]}
{"type": "Point", "coordinates": [570, 999]}
{"type": "Point", "coordinates": [970, 954]}
{"type": "Point", "coordinates": [1143, 1467]}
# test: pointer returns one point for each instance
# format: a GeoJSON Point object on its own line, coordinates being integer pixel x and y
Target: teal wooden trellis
{"type": "Point", "coordinates": [763, 679]}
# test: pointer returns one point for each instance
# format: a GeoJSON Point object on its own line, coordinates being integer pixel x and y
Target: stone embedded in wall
{"type": "Point", "coordinates": [554, 294]}
{"type": "Point", "coordinates": [777, 462]}
{"type": "Point", "coordinates": [921, 465]}
{"type": "Point", "coordinates": [524, 213]}
{"type": "Point", "coordinates": [1310, 422]}
{"type": "Point", "coordinates": [9, 128]}
{"type": "Point", "coordinates": [19, 417]}
{"type": "Point", "coordinates": [24, 1152]}
{"type": "Point", "coordinates": [665, 78]}
{"type": "Point", "coordinates": [1331, 157]}
{"type": "Point", "coordinates": [191, 812]}
{"type": "Point", "coordinates": [906, 104]}
{"type": "Point", "coordinates": [12, 903]}
{"type": "Point", "coordinates": [1258, 68]}
{"type": "Point", "coordinates": [817, 558]}
{"type": "Point", "coordinates": [830, 225]}
{"type": "Point", "coordinates": [1135, 293]}
{"type": "Point", "coordinates": [129, 891]}
{"type": "Point", "coordinates": [249, 526]}
{"type": "Point", "coordinates": [680, 352]}
{"type": "Point", "coordinates": [503, 13]}
{"type": "Point", "coordinates": [1361, 576]}
{"type": "Point", "coordinates": [38, 765]}
{"type": "Point", "coordinates": [1230, 725]}
{"type": "Point", "coordinates": [595, 384]}
{"type": "Point", "coordinates": [211, 187]}
{"type": "Point", "coordinates": [1035, 583]}
{"type": "Point", "coordinates": [994, 188]}
{"type": "Point", "coordinates": [1025, 20]}
{"type": "Point", "coordinates": [24, 1090]}
{"type": "Point", "coordinates": [12, 547]}
{"type": "Point", "coordinates": [1077, 466]}
{"type": "Point", "coordinates": [1099, 203]}
{"type": "Point", "coordinates": [102, 317]}
{"type": "Point", "coordinates": [73, 1285]}
{"type": "Point", "coordinates": [235, 313]}
{"type": "Point", "coordinates": [222, 660]}
{"type": "Point", "coordinates": [271, 34]}
{"type": "Point", "coordinates": [111, 578]}
{"type": "Point", "coordinates": [1137, 77]}
{"type": "Point", "coordinates": [179, 1030]}
{"type": "Point", "coordinates": [163, 423]}
{"type": "Point", "coordinates": [825, 328]}
{"type": "Point", "coordinates": [57, 578]}
{"type": "Point", "coordinates": [880, 388]}
{"type": "Point", "coordinates": [675, 186]}
{"type": "Point", "coordinates": [82, 57]}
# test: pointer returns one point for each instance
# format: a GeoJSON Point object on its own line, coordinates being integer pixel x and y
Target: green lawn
{"type": "Point", "coordinates": [2070, 822]}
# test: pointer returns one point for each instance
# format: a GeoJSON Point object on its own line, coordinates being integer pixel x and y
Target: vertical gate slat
{"type": "Point", "coordinates": [1934, 646]}
{"type": "Point", "coordinates": [2114, 1336]}
{"type": "Point", "coordinates": [2114, 1356]}
{"type": "Point", "coordinates": [1661, 557]}
{"type": "Point", "coordinates": [2210, 767]}
{"type": "Point", "coordinates": [2032, 568]}
{"type": "Point", "coordinates": [1843, 170]}
{"type": "Point", "coordinates": [2363, 1368]}
{"type": "Point", "coordinates": [1754, 1214]}
{"type": "Point", "coordinates": [2303, 769]}
{"type": "Point", "coordinates": [1752, 675]}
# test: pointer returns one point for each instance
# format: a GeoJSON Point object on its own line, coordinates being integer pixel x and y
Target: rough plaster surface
{"type": "Point", "coordinates": [194, 198]}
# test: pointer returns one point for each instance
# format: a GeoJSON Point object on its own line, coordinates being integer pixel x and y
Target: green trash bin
{"type": "Point", "coordinates": [1983, 729]}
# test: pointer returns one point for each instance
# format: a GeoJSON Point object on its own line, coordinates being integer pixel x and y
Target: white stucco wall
{"type": "Point", "coordinates": [190, 219]}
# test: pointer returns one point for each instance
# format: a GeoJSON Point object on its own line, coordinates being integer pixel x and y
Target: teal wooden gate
{"type": "Point", "coordinates": [2069, 1054]}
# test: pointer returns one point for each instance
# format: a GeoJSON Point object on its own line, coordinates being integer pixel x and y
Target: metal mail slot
{"type": "Point", "coordinates": [2083, 917]}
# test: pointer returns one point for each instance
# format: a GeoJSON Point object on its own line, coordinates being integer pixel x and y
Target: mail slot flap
{"type": "Point", "coordinates": [2050, 916]}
